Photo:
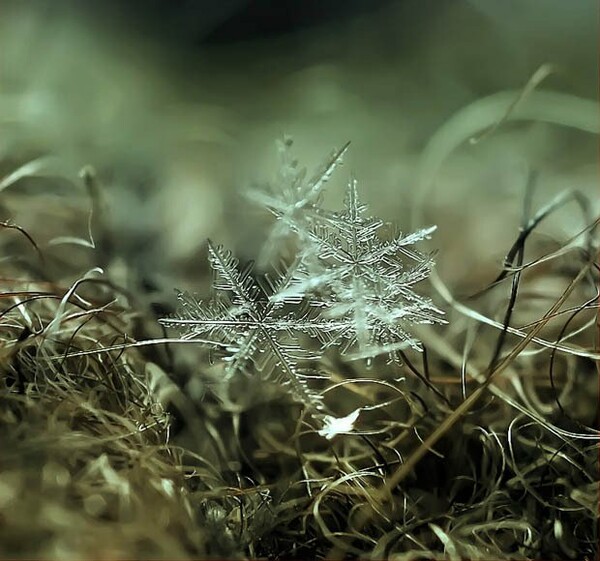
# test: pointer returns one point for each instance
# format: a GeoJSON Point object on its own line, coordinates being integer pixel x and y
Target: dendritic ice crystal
{"type": "Point", "coordinates": [363, 280]}
{"type": "Point", "coordinates": [351, 286]}
{"type": "Point", "coordinates": [294, 197]}
{"type": "Point", "coordinates": [253, 332]}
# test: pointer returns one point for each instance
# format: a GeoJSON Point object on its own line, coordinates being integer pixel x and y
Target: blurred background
{"type": "Point", "coordinates": [177, 105]}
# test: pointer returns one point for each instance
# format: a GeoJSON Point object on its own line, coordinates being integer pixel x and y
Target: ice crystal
{"type": "Point", "coordinates": [293, 198]}
{"type": "Point", "coordinates": [252, 331]}
{"type": "Point", "coordinates": [352, 285]}
{"type": "Point", "coordinates": [364, 280]}
{"type": "Point", "coordinates": [332, 426]}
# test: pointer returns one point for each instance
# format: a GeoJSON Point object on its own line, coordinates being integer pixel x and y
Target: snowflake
{"type": "Point", "coordinates": [364, 280]}
{"type": "Point", "coordinates": [294, 199]}
{"type": "Point", "coordinates": [352, 285]}
{"type": "Point", "coordinates": [255, 333]}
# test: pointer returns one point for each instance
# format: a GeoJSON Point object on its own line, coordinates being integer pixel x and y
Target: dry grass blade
{"type": "Point", "coordinates": [384, 493]}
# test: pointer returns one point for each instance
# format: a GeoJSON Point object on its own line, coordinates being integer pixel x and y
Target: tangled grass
{"type": "Point", "coordinates": [117, 445]}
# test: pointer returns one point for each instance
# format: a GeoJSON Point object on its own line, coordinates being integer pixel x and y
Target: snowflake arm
{"type": "Point", "coordinates": [228, 278]}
